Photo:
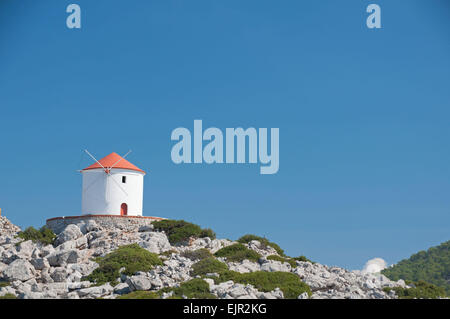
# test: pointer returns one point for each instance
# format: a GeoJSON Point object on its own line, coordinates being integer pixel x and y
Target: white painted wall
{"type": "Point", "coordinates": [101, 196]}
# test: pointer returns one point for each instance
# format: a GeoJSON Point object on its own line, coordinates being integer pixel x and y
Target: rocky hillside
{"type": "Point", "coordinates": [70, 268]}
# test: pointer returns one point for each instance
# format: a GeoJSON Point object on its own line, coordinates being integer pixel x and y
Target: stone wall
{"type": "Point", "coordinates": [126, 223]}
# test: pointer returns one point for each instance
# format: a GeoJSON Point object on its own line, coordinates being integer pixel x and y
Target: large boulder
{"type": "Point", "coordinates": [25, 249]}
{"type": "Point", "coordinates": [273, 265]}
{"type": "Point", "coordinates": [155, 242]}
{"type": "Point", "coordinates": [88, 226]}
{"type": "Point", "coordinates": [47, 250]}
{"type": "Point", "coordinates": [122, 288]}
{"type": "Point", "coordinates": [59, 274]}
{"type": "Point", "coordinates": [40, 263]}
{"type": "Point", "coordinates": [244, 266]}
{"type": "Point", "coordinates": [61, 258]}
{"type": "Point", "coordinates": [19, 269]}
{"type": "Point", "coordinates": [71, 232]}
{"type": "Point", "coordinates": [139, 283]}
{"type": "Point", "coordinates": [96, 292]}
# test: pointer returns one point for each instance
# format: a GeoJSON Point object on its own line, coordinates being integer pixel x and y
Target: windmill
{"type": "Point", "coordinates": [107, 171]}
{"type": "Point", "coordinates": [112, 186]}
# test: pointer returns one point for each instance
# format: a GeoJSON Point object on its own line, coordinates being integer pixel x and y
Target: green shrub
{"type": "Point", "coordinates": [207, 232]}
{"type": "Point", "coordinates": [132, 257]}
{"type": "Point", "coordinates": [44, 235]}
{"type": "Point", "coordinates": [422, 290]}
{"type": "Point", "coordinates": [238, 252]}
{"type": "Point", "coordinates": [198, 254]}
{"type": "Point", "coordinates": [289, 283]}
{"type": "Point", "coordinates": [139, 294]}
{"type": "Point", "coordinates": [206, 266]}
{"type": "Point", "coordinates": [179, 231]}
{"type": "Point", "coordinates": [264, 241]}
{"type": "Point", "coordinates": [8, 296]}
{"type": "Point", "coordinates": [195, 288]}
{"type": "Point", "coordinates": [302, 258]}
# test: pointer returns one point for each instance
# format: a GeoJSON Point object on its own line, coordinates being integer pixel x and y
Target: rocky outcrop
{"type": "Point", "coordinates": [7, 228]}
{"type": "Point", "coordinates": [338, 283]}
{"type": "Point", "coordinates": [37, 271]}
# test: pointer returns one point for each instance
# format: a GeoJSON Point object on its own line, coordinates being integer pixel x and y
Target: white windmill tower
{"type": "Point", "coordinates": [112, 186]}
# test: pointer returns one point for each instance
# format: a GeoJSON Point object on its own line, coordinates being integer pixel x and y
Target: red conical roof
{"type": "Point", "coordinates": [116, 160]}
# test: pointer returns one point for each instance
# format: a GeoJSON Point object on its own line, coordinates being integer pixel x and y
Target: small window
{"type": "Point", "coordinates": [124, 179]}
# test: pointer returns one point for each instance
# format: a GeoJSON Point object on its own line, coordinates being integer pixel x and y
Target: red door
{"type": "Point", "coordinates": [124, 209]}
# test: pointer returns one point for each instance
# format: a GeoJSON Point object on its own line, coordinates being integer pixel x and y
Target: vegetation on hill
{"type": "Point", "coordinates": [432, 266]}
{"type": "Point", "coordinates": [131, 257]}
{"type": "Point", "coordinates": [198, 254]}
{"type": "Point", "coordinates": [289, 283]}
{"type": "Point", "coordinates": [195, 288]}
{"type": "Point", "coordinates": [264, 241]}
{"type": "Point", "coordinates": [421, 290]}
{"type": "Point", "coordinates": [140, 294]}
{"type": "Point", "coordinates": [303, 258]}
{"type": "Point", "coordinates": [208, 266]}
{"type": "Point", "coordinates": [237, 253]}
{"type": "Point", "coordinates": [179, 231]}
{"type": "Point", "coordinates": [291, 261]}
{"type": "Point", "coordinates": [44, 235]}
{"type": "Point", "coordinates": [8, 296]}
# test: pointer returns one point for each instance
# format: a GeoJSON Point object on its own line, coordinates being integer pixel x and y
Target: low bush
{"type": "Point", "coordinates": [179, 231]}
{"type": "Point", "coordinates": [289, 283]}
{"type": "Point", "coordinates": [44, 235]}
{"type": "Point", "coordinates": [195, 288]}
{"type": "Point", "coordinates": [8, 296]}
{"type": "Point", "coordinates": [302, 258]}
{"type": "Point", "coordinates": [198, 254]}
{"type": "Point", "coordinates": [207, 232]}
{"type": "Point", "coordinates": [132, 257]}
{"type": "Point", "coordinates": [238, 252]}
{"type": "Point", "coordinates": [207, 266]}
{"type": "Point", "coordinates": [140, 295]}
{"type": "Point", "coordinates": [264, 241]}
{"type": "Point", "coordinates": [421, 290]}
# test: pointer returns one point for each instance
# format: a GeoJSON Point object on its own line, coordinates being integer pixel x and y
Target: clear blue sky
{"type": "Point", "coordinates": [363, 115]}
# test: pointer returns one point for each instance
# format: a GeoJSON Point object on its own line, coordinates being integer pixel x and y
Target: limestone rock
{"type": "Point", "coordinates": [61, 258]}
{"type": "Point", "coordinates": [139, 283]}
{"type": "Point", "coordinates": [273, 265]}
{"type": "Point", "coordinates": [145, 228]}
{"type": "Point", "coordinates": [244, 266]}
{"type": "Point", "coordinates": [96, 292]}
{"type": "Point", "coordinates": [71, 232]}
{"type": "Point", "coordinates": [25, 249]}
{"type": "Point", "coordinates": [19, 269]}
{"type": "Point", "coordinates": [122, 288]}
{"type": "Point", "coordinates": [155, 242]}
{"type": "Point", "coordinates": [40, 263]}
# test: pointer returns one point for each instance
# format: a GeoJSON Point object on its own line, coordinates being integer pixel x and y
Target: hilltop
{"type": "Point", "coordinates": [432, 266]}
{"type": "Point", "coordinates": [167, 259]}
